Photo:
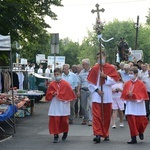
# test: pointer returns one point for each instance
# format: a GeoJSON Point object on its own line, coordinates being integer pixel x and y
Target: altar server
{"type": "Point", "coordinates": [59, 94]}
{"type": "Point", "coordinates": [135, 94]}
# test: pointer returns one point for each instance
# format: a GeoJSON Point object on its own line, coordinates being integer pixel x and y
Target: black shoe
{"type": "Point", "coordinates": [97, 139]}
{"type": "Point", "coordinates": [132, 142]}
{"type": "Point", "coordinates": [64, 136]}
{"type": "Point", "coordinates": [106, 138]}
{"type": "Point", "coordinates": [56, 137]}
{"type": "Point", "coordinates": [141, 136]}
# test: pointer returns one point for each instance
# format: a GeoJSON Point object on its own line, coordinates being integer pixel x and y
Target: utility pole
{"type": "Point", "coordinates": [137, 30]}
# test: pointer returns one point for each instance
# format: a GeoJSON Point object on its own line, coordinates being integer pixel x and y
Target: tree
{"type": "Point", "coordinates": [116, 29]}
{"type": "Point", "coordinates": [70, 50]}
{"type": "Point", "coordinates": [89, 48]}
{"type": "Point", "coordinates": [148, 17]}
{"type": "Point", "coordinates": [144, 42]}
{"type": "Point", "coordinates": [25, 18]}
{"type": "Point", "coordinates": [24, 21]}
{"type": "Point", "coordinates": [40, 45]}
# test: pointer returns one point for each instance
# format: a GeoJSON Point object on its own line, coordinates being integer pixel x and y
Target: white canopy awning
{"type": "Point", "coordinates": [40, 76]}
{"type": "Point", "coordinates": [5, 43]}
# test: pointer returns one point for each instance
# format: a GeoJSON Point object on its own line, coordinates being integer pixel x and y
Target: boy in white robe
{"type": "Point", "coordinates": [135, 94]}
{"type": "Point", "coordinates": [60, 94]}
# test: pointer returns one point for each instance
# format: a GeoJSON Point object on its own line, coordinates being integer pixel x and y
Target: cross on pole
{"type": "Point", "coordinates": [98, 10]}
{"type": "Point", "coordinates": [98, 29]}
{"type": "Point", "coordinates": [99, 25]}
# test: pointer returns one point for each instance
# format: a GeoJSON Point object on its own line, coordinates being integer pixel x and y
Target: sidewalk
{"type": "Point", "coordinates": [32, 134]}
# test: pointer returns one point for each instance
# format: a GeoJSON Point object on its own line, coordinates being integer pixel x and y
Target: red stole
{"type": "Point", "coordinates": [62, 90]}
{"type": "Point", "coordinates": [137, 88]}
{"type": "Point", "coordinates": [108, 69]}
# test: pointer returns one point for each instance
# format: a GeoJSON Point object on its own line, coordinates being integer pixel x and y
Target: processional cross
{"type": "Point", "coordinates": [98, 28]}
{"type": "Point", "coordinates": [99, 25]}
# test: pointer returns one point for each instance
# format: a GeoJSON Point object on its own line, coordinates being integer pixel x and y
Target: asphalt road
{"type": "Point", "coordinates": [32, 134]}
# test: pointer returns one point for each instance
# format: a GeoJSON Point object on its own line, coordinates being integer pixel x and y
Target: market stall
{"type": "Point", "coordinates": [13, 100]}
{"type": "Point", "coordinates": [6, 65]}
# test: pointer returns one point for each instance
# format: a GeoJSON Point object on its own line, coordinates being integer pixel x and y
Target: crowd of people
{"type": "Point", "coordinates": [100, 95]}
{"type": "Point", "coordinates": [30, 68]}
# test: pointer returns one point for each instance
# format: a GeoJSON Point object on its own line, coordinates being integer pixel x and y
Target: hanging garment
{"type": "Point", "coordinates": [21, 79]}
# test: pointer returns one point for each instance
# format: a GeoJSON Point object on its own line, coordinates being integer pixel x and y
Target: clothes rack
{"type": "Point", "coordinates": [5, 46]}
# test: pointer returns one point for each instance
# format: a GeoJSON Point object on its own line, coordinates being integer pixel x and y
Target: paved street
{"type": "Point", "coordinates": [32, 134]}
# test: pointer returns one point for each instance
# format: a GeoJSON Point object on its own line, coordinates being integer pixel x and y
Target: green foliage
{"type": "Point", "coordinates": [144, 42]}
{"type": "Point", "coordinates": [148, 17]}
{"type": "Point", "coordinates": [115, 29]}
{"type": "Point", "coordinates": [118, 29]}
{"type": "Point", "coordinates": [89, 48]}
{"type": "Point", "coordinates": [39, 45]}
{"type": "Point", "coordinates": [24, 21]}
{"type": "Point", "coordinates": [4, 59]}
{"type": "Point", "coordinates": [70, 50]}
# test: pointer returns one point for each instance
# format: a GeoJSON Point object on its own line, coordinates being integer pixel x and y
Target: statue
{"type": "Point", "coordinates": [123, 50]}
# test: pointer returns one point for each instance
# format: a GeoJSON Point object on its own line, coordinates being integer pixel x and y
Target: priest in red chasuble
{"type": "Point", "coordinates": [135, 95]}
{"type": "Point", "coordinates": [59, 93]}
{"type": "Point", "coordinates": [102, 99]}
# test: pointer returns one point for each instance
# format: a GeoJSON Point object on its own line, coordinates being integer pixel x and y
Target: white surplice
{"type": "Point", "coordinates": [107, 98]}
{"type": "Point", "coordinates": [135, 107]}
{"type": "Point", "coordinates": [59, 108]}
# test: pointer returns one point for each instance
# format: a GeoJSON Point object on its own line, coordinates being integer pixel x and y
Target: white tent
{"type": "Point", "coordinates": [5, 43]}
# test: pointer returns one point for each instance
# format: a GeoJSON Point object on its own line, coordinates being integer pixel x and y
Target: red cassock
{"type": "Point", "coordinates": [63, 92]}
{"type": "Point", "coordinates": [137, 123]}
{"type": "Point", "coordinates": [107, 69]}
{"type": "Point", "coordinates": [138, 90]}
{"type": "Point", "coordinates": [101, 120]}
